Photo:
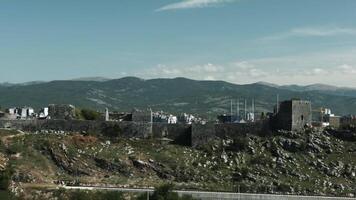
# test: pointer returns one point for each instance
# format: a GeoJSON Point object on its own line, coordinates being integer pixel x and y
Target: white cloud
{"type": "Point", "coordinates": [208, 70]}
{"type": "Point", "coordinates": [335, 68]}
{"type": "Point", "coordinates": [187, 4]}
{"type": "Point", "coordinates": [316, 72]}
{"type": "Point", "coordinates": [347, 69]}
{"type": "Point", "coordinates": [234, 72]}
{"type": "Point", "coordinates": [312, 32]}
{"type": "Point", "coordinates": [249, 70]}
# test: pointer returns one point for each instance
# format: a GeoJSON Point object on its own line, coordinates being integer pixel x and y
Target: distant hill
{"type": "Point", "coordinates": [322, 88]}
{"type": "Point", "coordinates": [97, 78]}
{"type": "Point", "coordinates": [207, 98]}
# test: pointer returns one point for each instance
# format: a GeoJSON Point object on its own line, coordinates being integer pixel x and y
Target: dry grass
{"type": "Point", "coordinates": [80, 140]}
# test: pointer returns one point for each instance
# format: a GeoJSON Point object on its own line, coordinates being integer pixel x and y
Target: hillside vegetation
{"type": "Point", "coordinates": [207, 98]}
{"type": "Point", "coordinates": [310, 163]}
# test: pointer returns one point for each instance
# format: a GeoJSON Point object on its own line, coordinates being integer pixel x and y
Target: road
{"type": "Point", "coordinates": [215, 195]}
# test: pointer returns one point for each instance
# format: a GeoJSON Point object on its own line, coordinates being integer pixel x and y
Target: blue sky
{"type": "Point", "coordinates": [240, 41]}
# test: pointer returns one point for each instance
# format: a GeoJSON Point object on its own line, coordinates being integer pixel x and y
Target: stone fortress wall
{"type": "Point", "coordinates": [190, 135]}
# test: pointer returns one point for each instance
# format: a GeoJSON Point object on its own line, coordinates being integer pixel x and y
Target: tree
{"type": "Point", "coordinates": [88, 114]}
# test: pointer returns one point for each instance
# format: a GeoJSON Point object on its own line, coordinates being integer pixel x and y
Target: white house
{"type": "Point", "coordinates": [172, 119]}
{"type": "Point", "coordinates": [26, 112]}
{"type": "Point", "coordinates": [43, 113]}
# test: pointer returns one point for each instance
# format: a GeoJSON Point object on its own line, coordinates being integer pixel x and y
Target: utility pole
{"type": "Point", "coordinates": [237, 109]}
{"type": "Point", "coordinates": [107, 116]}
{"type": "Point", "coordinates": [151, 121]}
{"type": "Point", "coordinates": [277, 107]}
{"type": "Point", "coordinates": [231, 111]}
{"type": "Point", "coordinates": [245, 109]}
{"type": "Point", "coordinates": [238, 191]}
{"type": "Point", "coordinates": [253, 110]}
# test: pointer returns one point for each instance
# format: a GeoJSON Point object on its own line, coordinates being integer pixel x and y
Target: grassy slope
{"type": "Point", "coordinates": [187, 168]}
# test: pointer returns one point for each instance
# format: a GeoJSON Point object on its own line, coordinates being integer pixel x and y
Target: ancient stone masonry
{"type": "Point", "coordinates": [126, 129]}
{"type": "Point", "coordinates": [61, 111]}
{"type": "Point", "coordinates": [293, 115]}
{"type": "Point", "coordinates": [191, 135]}
{"type": "Point", "coordinates": [180, 133]}
{"type": "Point", "coordinates": [203, 134]}
{"type": "Point", "coordinates": [141, 115]}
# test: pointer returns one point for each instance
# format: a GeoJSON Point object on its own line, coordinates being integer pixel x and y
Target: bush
{"type": "Point", "coordinates": [5, 178]}
{"type": "Point", "coordinates": [89, 114]}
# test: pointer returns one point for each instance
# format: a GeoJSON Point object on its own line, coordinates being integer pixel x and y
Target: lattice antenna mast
{"type": "Point", "coordinates": [253, 106]}
{"type": "Point", "coordinates": [231, 111]}
{"type": "Point", "coordinates": [277, 107]}
{"type": "Point", "coordinates": [245, 109]}
{"type": "Point", "coordinates": [237, 109]}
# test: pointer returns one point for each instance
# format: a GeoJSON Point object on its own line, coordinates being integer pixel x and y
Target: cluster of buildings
{"type": "Point", "coordinates": [327, 118]}
{"type": "Point", "coordinates": [19, 113]}
{"type": "Point", "coordinates": [242, 114]}
{"type": "Point", "coordinates": [294, 115]}
{"type": "Point", "coordinates": [291, 115]}
{"type": "Point", "coordinates": [28, 113]}
{"type": "Point", "coordinates": [162, 117]}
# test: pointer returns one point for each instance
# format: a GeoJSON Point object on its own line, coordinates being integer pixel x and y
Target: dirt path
{"type": "Point", "coordinates": [6, 139]}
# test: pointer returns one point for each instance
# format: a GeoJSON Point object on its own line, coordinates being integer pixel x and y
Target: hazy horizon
{"type": "Point", "coordinates": [103, 79]}
{"type": "Point", "coordinates": [239, 41]}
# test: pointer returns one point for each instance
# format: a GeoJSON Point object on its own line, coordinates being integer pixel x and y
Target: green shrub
{"type": "Point", "coordinates": [88, 114]}
{"type": "Point", "coordinates": [5, 178]}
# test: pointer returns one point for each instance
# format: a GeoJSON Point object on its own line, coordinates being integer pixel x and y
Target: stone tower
{"type": "Point", "coordinates": [293, 115]}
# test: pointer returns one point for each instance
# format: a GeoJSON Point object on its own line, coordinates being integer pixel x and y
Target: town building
{"type": "Point", "coordinates": [328, 119]}
{"type": "Point", "coordinates": [250, 116]}
{"type": "Point", "coordinates": [27, 112]}
{"type": "Point", "coordinates": [44, 113]}
{"type": "Point", "coordinates": [189, 119]}
{"type": "Point", "coordinates": [20, 113]}
{"type": "Point", "coordinates": [2, 114]}
{"type": "Point", "coordinates": [161, 117]}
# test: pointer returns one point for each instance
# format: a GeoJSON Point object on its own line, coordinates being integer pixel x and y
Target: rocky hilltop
{"type": "Point", "coordinates": [309, 163]}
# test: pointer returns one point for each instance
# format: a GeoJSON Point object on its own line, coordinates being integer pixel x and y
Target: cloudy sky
{"type": "Point", "coordinates": [240, 41]}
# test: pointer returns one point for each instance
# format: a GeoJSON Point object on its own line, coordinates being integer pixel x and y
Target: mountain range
{"type": "Point", "coordinates": [177, 95]}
